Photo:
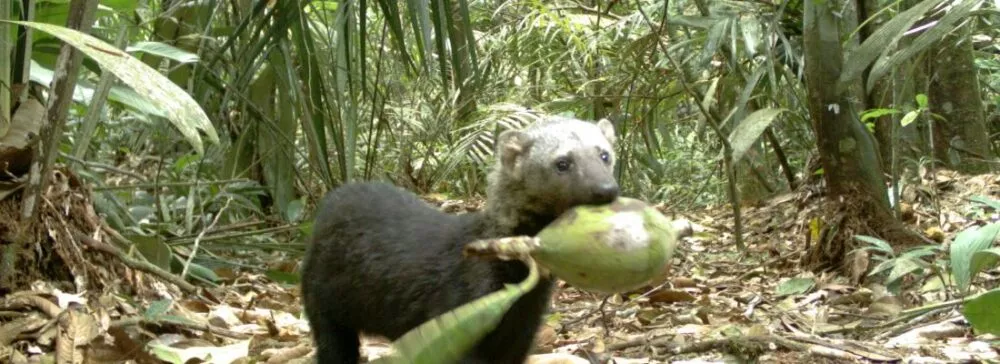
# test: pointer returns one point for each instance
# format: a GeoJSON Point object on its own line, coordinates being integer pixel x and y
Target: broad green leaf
{"type": "Point", "coordinates": [983, 314]}
{"type": "Point", "coordinates": [157, 309]}
{"type": "Point", "coordinates": [702, 22]}
{"type": "Point", "coordinates": [446, 338]}
{"type": "Point", "coordinates": [902, 267]}
{"type": "Point", "coordinates": [201, 354]}
{"type": "Point", "coordinates": [751, 28]}
{"type": "Point", "coordinates": [795, 286]}
{"type": "Point", "coordinates": [750, 129]}
{"type": "Point", "coordinates": [709, 99]}
{"type": "Point", "coordinates": [984, 259]}
{"type": "Point", "coordinates": [294, 210]}
{"type": "Point", "coordinates": [921, 252]}
{"type": "Point", "coordinates": [921, 100]}
{"type": "Point", "coordinates": [986, 201]}
{"type": "Point", "coordinates": [967, 243]}
{"type": "Point", "coordinates": [283, 277]}
{"type": "Point", "coordinates": [942, 27]}
{"type": "Point", "coordinates": [121, 6]}
{"type": "Point", "coordinates": [199, 271]}
{"type": "Point", "coordinates": [175, 319]}
{"type": "Point", "coordinates": [84, 90]}
{"type": "Point", "coordinates": [154, 249]}
{"type": "Point", "coordinates": [140, 212]}
{"type": "Point", "coordinates": [163, 50]}
{"type": "Point", "coordinates": [166, 353]}
{"type": "Point", "coordinates": [933, 284]}
{"type": "Point", "coordinates": [747, 92]}
{"type": "Point", "coordinates": [882, 40]}
{"type": "Point", "coordinates": [194, 270]}
{"type": "Point", "coordinates": [877, 113]}
{"type": "Point", "coordinates": [184, 113]}
{"type": "Point", "coordinates": [908, 118]}
{"type": "Point", "coordinates": [882, 267]}
{"type": "Point", "coordinates": [714, 41]}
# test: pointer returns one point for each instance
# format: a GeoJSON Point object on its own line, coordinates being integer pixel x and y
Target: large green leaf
{"type": "Point", "coordinates": [969, 242]}
{"type": "Point", "coordinates": [994, 204]}
{"type": "Point", "coordinates": [983, 314]}
{"type": "Point", "coordinates": [163, 50]}
{"type": "Point", "coordinates": [876, 243]}
{"type": "Point", "coordinates": [902, 267]}
{"type": "Point", "coordinates": [747, 132]}
{"type": "Point", "coordinates": [121, 6]}
{"type": "Point", "coordinates": [881, 40]}
{"type": "Point", "coordinates": [701, 22]}
{"type": "Point", "coordinates": [715, 38]}
{"type": "Point", "coordinates": [84, 90]}
{"type": "Point", "coordinates": [448, 337]}
{"type": "Point", "coordinates": [984, 259]}
{"type": "Point", "coordinates": [793, 286]}
{"type": "Point", "coordinates": [943, 26]}
{"type": "Point", "coordinates": [154, 249]}
{"type": "Point", "coordinates": [183, 112]}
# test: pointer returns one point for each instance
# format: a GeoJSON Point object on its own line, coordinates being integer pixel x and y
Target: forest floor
{"type": "Point", "coordinates": [718, 304]}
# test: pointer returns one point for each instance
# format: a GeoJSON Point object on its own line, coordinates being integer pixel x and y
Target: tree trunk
{"type": "Point", "coordinates": [846, 150]}
{"type": "Point", "coordinates": [850, 161]}
{"type": "Point", "coordinates": [961, 141]}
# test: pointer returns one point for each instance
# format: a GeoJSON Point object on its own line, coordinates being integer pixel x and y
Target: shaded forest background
{"type": "Point", "coordinates": [719, 105]}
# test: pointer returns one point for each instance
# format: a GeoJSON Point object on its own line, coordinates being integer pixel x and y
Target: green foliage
{"type": "Point", "coordinates": [880, 42]}
{"type": "Point", "coordinates": [877, 113]}
{"type": "Point", "coordinates": [157, 309]}
{"type": "Point", "coordinates": [750, 130]}
{"type": "Point", "coordinates": [447, 337]}
{"type": "Point", "coordinates": [795, 286]}
{"type": "Point", "coordinates": [185, 114]}
{"type": "Point", "coordinates": [163, 50]}
{"type": "Point", "coordinates": [880, 52]}
{"type": "Point", "coordinates": [989, 202]}
{"type": "Point", "coordinates": [922, 261]}
{"type": "Point", "coordinates": [982, 312]}
{"type": "Point", "coordinates": [971, 253]}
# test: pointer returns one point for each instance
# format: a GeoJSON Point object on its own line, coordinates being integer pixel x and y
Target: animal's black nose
{"type": "Point", "coordinates": [605, 193]}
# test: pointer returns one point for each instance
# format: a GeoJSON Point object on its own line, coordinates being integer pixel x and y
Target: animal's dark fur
{"type": "Point", "coordinates": [382, 261]}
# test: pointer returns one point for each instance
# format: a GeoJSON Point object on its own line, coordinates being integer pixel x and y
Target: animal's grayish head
{"type": "Point", "coordinates": [558, 163]}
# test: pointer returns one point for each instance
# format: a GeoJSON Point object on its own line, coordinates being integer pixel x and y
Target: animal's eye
{"type": "Point", "coordinates": [562, 165]}
{"type": "Point", "coordinates": [605, 156]}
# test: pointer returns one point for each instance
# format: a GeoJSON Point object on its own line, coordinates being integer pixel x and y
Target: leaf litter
{"type": "Point", "coordinates": [716, 304]}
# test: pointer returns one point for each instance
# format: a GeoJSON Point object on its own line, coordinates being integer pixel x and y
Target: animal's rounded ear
{"type": "Point", "coordinates": [512, 144]}
{"type": "Point", "coordinates": [607, 129]}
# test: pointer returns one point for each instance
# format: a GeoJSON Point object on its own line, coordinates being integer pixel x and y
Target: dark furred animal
{"type": "Point", "coordinates": [382, 261]}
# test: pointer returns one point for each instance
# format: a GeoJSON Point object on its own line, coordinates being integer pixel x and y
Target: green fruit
{"type": "Point", "coordinates": [609, 248]}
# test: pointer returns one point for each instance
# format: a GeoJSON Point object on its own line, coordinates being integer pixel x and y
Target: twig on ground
{"type": "Point", "coordinates": [136, 264]}
{"type": "Point", "coordinates": [104, 166]}
{"type": "Point", "coordinates": [197, 240]}
{"type": "Point", "coordinates": [912, 323]}
{"type": "Point", "coordinates": [755, 345]}
{"type": "Point", "coordinates": [185, 324]}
